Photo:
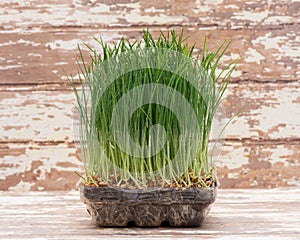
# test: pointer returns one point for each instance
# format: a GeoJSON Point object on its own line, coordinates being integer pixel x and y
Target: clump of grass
{"type": "Point", "coordinates": [134, 145]}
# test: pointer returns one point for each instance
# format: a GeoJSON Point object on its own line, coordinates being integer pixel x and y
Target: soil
{"type": "Point", "coordinates": [118, 207]}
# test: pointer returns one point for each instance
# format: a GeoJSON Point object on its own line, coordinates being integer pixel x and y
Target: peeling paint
{"type": "Point", "coordinates": [262, 109]}
{"type": "Point", "coordinates": [66, 45]}
{"type": "Point", "coordinates": [32, 114]}
{"type": "Point", "coordinates": [270, 42]}
{"type": "Point", "coordinates": [39, 39]}
{"type": "Point", "coordinates": [121, 13]}
{"type": "Point", "coordinates": [21, 187]}
{"type": "Point", "coordinates": [273, 20]}
{"type": "Point", "coordinates": [251, 16]}
{"type": "Point", "coordinates": [254, 56]}
{"type": "Point", "coordinates": [36, 166]}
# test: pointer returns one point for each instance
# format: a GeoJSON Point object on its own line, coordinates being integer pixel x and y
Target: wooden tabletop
{"type": "Point", "coordinates": [237, 214]}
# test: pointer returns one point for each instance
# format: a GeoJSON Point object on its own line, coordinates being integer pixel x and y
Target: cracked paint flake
{"type": "Point", "coordinates": [263, 109]}
{"type": "Point", "coordinates": [251, 16]}
{"type": "Point", "coordinates": [30, 119]}
{"type": "Point", "coordinates": [37, 166]}
{"type": "Point", "coordinates": [65, 45]}
{"type": "Point", "coordinates": [122, 13]}
{"type": "Point", "coordinates": [253, 56]}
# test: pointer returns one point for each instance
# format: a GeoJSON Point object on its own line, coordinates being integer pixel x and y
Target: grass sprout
{"type": "Point", "coordinates": [146, 110]}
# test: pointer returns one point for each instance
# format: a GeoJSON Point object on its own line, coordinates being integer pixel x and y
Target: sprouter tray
{"type": "Point", "coordinates": [117, 207]}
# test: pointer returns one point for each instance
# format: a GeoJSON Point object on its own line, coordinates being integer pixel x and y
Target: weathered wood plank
{"type": "Point", "coordinates": [31, 166]}
{"type": "Point", "coordinates": [267, 111]}
{"type": "Point", "coordinates": [35, 57]}
{"type": "Point", "coordinates": [258, 164]}
{"type": "Point", "coordinates": [218, 14]}
{"type": "Point", "coordinates": [262, 147]}
{"type": "Point", "coordinates": [48, 116]}
{"type": "Point", "coordinates": [237, 214]}
{"type": "Point", "coordinates": [37, 116]}
{"type": "Point", "coordinates": [242, 164]}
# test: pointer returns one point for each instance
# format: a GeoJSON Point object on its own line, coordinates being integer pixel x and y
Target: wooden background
{"type": "Point", "coordinates": [38, 41]}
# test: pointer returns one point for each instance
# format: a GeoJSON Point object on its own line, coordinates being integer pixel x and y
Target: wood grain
{"type": "Point", "coordinates": [48, 115]}
{"type": "Point", "coordinates": [222, 14]}
{"type": "Point", "coordinates": [242, 164]}
{"type": "Point", "coordinates": [45, 56]}
{"type": "Point", "coordinates": [237, 214]}
{"type": "Point", "coordinates": [38, 47]}
{"type": "Point", "coordinates": [38, 166]}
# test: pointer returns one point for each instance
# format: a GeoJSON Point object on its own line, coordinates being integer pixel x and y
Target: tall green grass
{"type": "Point", "coordinates": [158, 134]}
